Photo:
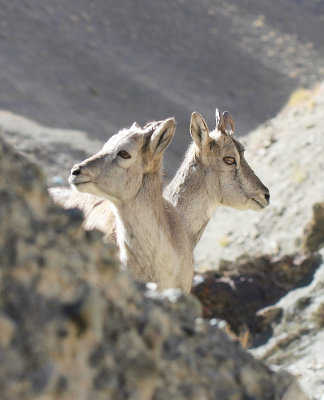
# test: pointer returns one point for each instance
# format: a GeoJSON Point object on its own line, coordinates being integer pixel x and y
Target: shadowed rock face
{"type": "Point", "coordinates": [72, 325]}
{"type": "Point", "coordinates": [242, 292]}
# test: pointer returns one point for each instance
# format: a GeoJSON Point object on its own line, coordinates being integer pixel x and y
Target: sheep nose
{"type": "Point", "coordinates": [76, 170]}
{"type": "Point", "coordinates": [267, 195]}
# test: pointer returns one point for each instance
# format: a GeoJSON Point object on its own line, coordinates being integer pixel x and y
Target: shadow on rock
{"type": "Point", "coordinates": [243, 293]}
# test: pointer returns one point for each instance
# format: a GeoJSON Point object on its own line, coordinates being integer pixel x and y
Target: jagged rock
{"type": "Point", "coordinates": [266, 316]}
{"type": "Point", "coordinates": [80, 328]}
{"type": "Point", "coordinates": [238, 291]}
{"type": "Point", "coordinates": [297, 336]}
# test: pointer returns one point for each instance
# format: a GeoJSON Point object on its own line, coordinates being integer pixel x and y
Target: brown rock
{"type": "Point", "coordinates": [238, 291]}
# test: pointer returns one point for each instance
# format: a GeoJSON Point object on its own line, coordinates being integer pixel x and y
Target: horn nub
{"type": "Point", "coordinates": [152, 124]}
{"type": "Point", "coordinates": [150, 127]}
{"type": "Point", "coordinates": [219, 121]}
{"type": "Point", "coordinates": [228, 120]}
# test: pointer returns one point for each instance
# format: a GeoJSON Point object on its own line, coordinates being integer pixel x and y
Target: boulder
{"type": "Point", "coordinates": [241, 292]}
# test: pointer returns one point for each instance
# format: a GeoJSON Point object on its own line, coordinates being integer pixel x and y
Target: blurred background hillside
{"type": "Point", "coordinates": [99, 65]}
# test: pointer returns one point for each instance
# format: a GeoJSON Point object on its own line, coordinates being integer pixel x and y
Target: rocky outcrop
{"type": "Point", "coordinates": [242, 292]}
{"type": "Point", "coordinates": [297, 336]}
{"type": "Point", "coordinates": [74, 326]}
{"type": "Point", "coordinates": [287, 154]}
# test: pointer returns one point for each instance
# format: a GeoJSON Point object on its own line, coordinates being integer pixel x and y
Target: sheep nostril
{"type": "Point", "coordinates": [76, 171]}
{"type": "Point", "coordinates": [267, 196]}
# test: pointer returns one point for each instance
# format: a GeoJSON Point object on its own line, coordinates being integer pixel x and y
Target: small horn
{"type": "Point", "coordinates": [219, 121]}
{"type": "Point", "coordinates": [152, 125]}
{"type": "Point", "coordinates": [228, 120]}
{"type": "Point", "coordinates": [135, 125]}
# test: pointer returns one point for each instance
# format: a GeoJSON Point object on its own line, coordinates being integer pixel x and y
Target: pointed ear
{"type": "Point", "coordinates": [161, 136]}
{"type": "Point", "coordinates": [199, 130]}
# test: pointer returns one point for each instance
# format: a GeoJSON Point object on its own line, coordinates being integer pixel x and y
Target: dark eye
{"type": "Point", "coordinates": [123, 154]}
{"type": "Point", "coordinates": [229, 160]}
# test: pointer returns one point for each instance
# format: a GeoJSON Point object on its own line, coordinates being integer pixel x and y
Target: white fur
{"type": "Point", "coordinates": [152, 239]}
{"type": "Point", "coordinates": [202, 183]}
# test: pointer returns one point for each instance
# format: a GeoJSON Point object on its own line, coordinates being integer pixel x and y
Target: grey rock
{"type": "Point", "coordinates": [7, 329]}
{"type": "Point", "coordinates": [314, 231]}
{"type": "Point", "coordinates": [85, 330]}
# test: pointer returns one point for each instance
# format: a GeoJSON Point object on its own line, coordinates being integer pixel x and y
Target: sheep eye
{"type": "Point", "coordinates": [123, 154]}
{"type": "Point", "coordinates": [229, 160]}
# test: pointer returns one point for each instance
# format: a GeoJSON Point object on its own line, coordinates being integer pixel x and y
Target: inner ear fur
{"type": "Point", "coordinates": [161, 137]}
{"type": "Point", "coordinates": [199, 130]}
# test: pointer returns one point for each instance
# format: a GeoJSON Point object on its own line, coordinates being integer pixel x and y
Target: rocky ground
{"type": "Point", "coordinates": [73, 325]}
{"type": "Point", "coordinates": [272, 247]}
{"type": "Point", "coordinates": [297, 338]}
{"type": "Point", "coordinates": [262, 272]}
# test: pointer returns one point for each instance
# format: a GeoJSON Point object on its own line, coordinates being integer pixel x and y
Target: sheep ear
{"type": "Point", "coordinates": [199, 130]}
{"type": "Point", "coordinates": [162, 136]}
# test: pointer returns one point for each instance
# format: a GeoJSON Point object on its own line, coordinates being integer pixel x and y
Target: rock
{"type": "Point", "coordinates": [314, 231]}
{"type": "Point", "coordinates": [241, 292]}
{"type": "Point", "coordinates": [288, 386]}
{"type": "Point", "coordinates": [7, 329]}
{"type": "Point", "coordinates": [83, 329]}
{"type": "Point", "coordinates": [318, 316]}
{"type": "Point", "coordinates": [297, 335]}
{"type": "Point", "coordinates": [267, 315]}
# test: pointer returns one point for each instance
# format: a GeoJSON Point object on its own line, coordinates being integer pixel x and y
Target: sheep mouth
{"type": "Point", "coordinates": [80, 183]}
{"type": "Point", "coordinates": [259, 203]}
{"type": "Point", "coordinates": [74, 180]}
